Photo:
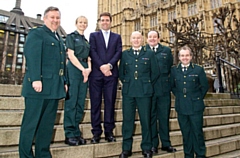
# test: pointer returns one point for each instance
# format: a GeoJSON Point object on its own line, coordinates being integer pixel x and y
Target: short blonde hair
{"type": "Point", "coordinates": [185, 48]}
{"type": "Point", "coordinates": [80, 18]}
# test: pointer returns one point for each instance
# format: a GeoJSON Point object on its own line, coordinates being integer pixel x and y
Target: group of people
{"type": "Point", "coordinates": [55, 71]}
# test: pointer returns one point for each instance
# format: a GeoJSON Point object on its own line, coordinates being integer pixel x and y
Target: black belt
{"type": "Point", "coordinates": [83, 59]}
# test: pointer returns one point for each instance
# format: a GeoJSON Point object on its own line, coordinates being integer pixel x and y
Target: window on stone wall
{"type": "Point", "coordinates": [1, 44]}
{"type": "Point", "coordinates": [137, 25]}
{"type": "Point", "coordinates": [3, 18]}
{"type": "Point", "coordinates": [117, 6]}
{"type": "Point", "coordinates": [192, 9]}
{"type": "Point", "coordinates": [2, 35]}
{"type": "Point", "coordinates": [10, 50]}
{"type": "Point", "coordinates": [22, 38]}
{"type": "Point", "coordinates": [2, 26]}
{"type": "Point", "coordinates": [9, 61]}
{"type": "Point", "coordinates": [171, 37]}
{"type": "Point", "coordinates": [19, 62]}
{"type": "Point", "coordinates": [215, 28]}
{"type": "Point", "coordinates": [153, 21]}
{"type": "Point", "coordinates": [216, 3]}
{"type": "Point", "coordinates": [171, 15]}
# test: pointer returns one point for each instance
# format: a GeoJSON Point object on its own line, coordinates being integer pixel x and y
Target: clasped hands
{"type": "Point", "coordinates": [106, 70]}
{"type": "Point", "coordinates": [85, 73]}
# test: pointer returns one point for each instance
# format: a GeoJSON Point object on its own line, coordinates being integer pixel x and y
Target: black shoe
{"type": "Point", "coordinates": [110, 137]}
{"type": "Point", "coordinates": [154, 150]}
{"type": "Point", "coordinates": [125, 154]}
{"type": "Point", "coordinates": [169, 149]}
{"type": "Point", "coordinates": [147, 154]}
{"type": "Point", "coordinates": [72, 141]}
{"type": "Point", "coordinates": [81, 141]}
{"type": "Point", "coordinates": [95, 139]}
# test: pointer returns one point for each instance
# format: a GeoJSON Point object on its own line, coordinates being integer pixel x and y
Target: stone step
{"type": "Point", "coordinates": [223, 148]}
{"type": "Point", "coordinates": [14, 117]}
{"type": "Point", "coordinates": [218, 147]}
{"type": "Point", "coordinates": [17, 103]}
{"type": "Point", "coordinates": [10, 135]}
{"type": "Point", "coordinates": [232, 154]}
{"type": "Point", "coordinates": [15, 90]}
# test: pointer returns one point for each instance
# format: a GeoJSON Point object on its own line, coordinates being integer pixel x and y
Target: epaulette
{"type": "Point", "coordinates": [198, 65]}
{"type": "Point", "coordinates": [129, 49]}
{"type": "Point", "coordinates": [144, 48]}
{"type": "Point", "coordinates": [179, 63]}
{"type": "Point", "coordinates": [72, 34]}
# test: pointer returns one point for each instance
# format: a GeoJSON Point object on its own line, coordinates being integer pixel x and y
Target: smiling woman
{"type": "Point", "coordinates": [69, 10]}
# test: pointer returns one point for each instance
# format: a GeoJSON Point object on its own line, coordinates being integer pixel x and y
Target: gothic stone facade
{"type": "Point", "coordinates": [146, 15]}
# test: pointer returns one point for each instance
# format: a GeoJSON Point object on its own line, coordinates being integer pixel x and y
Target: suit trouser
{"type": "Point", "coordinates": [129, 111]}
{"type": "Point", "coordinates": [193, 138]}
{"type": "Point", "coordinates": [160, 112]}
{"type": "Point", "coordinates": [74, 107]}
{"type": "Point", "coordinates": [38, 122]}
{"type": "Point", "coordinates": [108, 87]}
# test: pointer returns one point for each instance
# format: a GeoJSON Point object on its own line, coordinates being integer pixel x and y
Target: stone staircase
{"type": "Point", "coordinates": [221, 129]}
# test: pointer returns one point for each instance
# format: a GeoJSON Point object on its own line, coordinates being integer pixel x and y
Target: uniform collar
{"type": "Point", "coordinates": [189, 65]}
{"type": "Point", "coordinates": [138, 49]}
{"type": "Point", "coordinates": [185, 65]}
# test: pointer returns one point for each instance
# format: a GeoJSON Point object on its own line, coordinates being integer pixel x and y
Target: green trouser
{"type": "Point", "coordinates": [192, 132]}
{"type": "Point", "coordinates": [160, 112]}
{"type": "Point", "coordinates": [129, 105]}
{"type": "Point", "coordinates": [38, 122]}
{"type": "Point", "coordinates": [74, 107]}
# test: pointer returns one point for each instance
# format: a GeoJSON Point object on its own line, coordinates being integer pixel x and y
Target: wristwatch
{"type": "Point", "coordinates": [110, 65]}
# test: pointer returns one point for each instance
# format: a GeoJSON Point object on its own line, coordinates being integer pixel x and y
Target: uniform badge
{"type": "Point", "coordinates": [193, 75]}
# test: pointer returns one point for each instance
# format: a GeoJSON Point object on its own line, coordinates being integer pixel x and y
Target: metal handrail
{"type": "Point", "coordinates": [229, 78]}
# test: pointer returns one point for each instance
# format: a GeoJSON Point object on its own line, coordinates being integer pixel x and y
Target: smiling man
{"type": "Point", "coordinates": [105, 52]}
{"type": "Point", "coordinates": [189, 85]}
{"type": "Point", "coordinates": [138, 71]}
{"type": "Point", "coordinates": [161, 100]}
{"type": "Point", "coordinates": [43, 85]}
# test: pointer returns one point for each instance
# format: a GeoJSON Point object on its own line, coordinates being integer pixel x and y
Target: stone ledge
{"type": "Point", "coordinates": [217, 147]}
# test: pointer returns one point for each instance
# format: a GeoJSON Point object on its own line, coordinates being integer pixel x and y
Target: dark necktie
{"type": "Point", "coordinates": [56, 35]}
{"type": "Point", "coordinates": [136, 52]}
{"type": "Point", "coordinates": [184, 69]}
{"type": "Point", "coordinates": [153, 48]}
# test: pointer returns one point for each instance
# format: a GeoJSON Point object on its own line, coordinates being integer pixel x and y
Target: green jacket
{"type": "Point", "coordinates": [45, 61]}
{"type": "Point", "coordinates": [138, 73]}
{"type": "Point", "coordinates": [81, 47]}
{"type": "Point", "coordinates": [165, 62]}
{"type": "Point", "coordinates": [189, 88]}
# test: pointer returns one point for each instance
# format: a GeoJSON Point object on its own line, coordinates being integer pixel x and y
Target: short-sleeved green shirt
{"type": "Point", "coordinates": [79, 44]}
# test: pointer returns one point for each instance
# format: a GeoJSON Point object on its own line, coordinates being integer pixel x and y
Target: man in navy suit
{"type": "Point", "coordinates": [105, 52]}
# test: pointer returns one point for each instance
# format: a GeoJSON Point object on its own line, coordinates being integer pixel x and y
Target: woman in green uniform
{"type": "Point", "coordinates": [78, 67]}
